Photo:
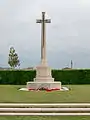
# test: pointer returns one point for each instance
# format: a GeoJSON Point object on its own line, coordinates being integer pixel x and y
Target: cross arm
{"type": "Point", "coordinates": [38, 21]}
{"type": "Point", "coordinates": [48, 21]}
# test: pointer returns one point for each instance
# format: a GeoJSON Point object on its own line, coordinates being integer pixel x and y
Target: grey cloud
{"type": "Point", "coordinates": [67, 35]}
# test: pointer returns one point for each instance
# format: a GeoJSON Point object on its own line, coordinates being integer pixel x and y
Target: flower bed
{"type": "Point", "coordinates": [45, 89]}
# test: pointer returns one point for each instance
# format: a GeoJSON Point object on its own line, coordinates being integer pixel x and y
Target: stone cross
{"type": "Point", "coordinates": [43, 37]}
{"type": "Point", "coordinates": [43, 77]}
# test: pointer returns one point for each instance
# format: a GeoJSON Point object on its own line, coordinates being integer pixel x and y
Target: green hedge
{"type": "Point", "coordinates": [20, 77]}
{"type": "Point", "coordinates": [72, 76]}
{"type": "Point", "coordinates": [16, 77]}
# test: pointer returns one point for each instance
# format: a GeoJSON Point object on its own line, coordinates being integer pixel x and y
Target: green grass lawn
{"type": "Point", "coordinates": [78, 93]}
{"type": "Point", "coordinates": [45, 118]}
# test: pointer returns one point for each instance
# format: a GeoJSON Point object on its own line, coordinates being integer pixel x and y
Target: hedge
{"type": "Point", "coordinates": [20, 77]}
{"type": "Point", "coordinates": [16, 77]}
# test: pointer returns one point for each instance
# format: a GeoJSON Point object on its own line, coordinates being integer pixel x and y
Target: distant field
{"type": "Point", "coordinates": [11, 94]}
{"type": "Point", "coordinates": [45, 118]}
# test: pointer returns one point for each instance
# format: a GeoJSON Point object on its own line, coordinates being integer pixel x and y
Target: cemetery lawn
{"type": "Point", "coordinates": [77, 94]}
{"type": "Point", "coordinates": [44, 117]}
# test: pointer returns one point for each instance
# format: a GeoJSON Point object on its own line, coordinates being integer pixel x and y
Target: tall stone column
{"type": "Point", "coordinates": [43, 38]}
{"type": "Point", "coordinates": [43, 72]}
{"type": "Point", "coordinates": [43, 41]}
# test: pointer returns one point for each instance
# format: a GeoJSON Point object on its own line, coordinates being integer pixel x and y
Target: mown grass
{"type": "Point", "coordinates": [45, 118]}
{"type": "Point", "coordinates": [77, 93]}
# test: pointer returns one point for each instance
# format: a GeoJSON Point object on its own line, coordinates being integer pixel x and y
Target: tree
{"type": "Point", "coordinates": [13, 59]}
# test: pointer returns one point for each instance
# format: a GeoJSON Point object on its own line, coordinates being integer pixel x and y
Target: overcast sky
{"type": "Point", "coordinates": [68, 35]}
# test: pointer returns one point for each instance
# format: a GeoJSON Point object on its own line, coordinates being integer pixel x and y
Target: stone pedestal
{"type": "Point", "coordinates": [44, 85]}
{"type": "Point", "coordinates": [43, 74]}
{"type": "Point", "coordinates": [43, 79]}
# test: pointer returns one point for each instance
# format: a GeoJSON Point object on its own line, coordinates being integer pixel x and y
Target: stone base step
{"type": "Point", "coordinates": [43, 85]}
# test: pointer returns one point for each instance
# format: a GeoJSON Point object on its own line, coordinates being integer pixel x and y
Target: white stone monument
{"type": "Point", "coordinates": [43, 78]}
